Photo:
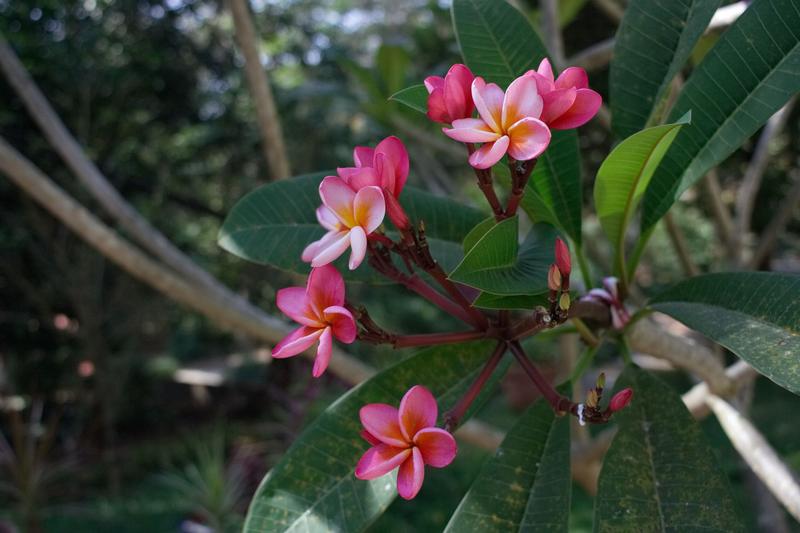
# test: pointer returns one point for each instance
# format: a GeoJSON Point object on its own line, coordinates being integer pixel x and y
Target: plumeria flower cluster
{"type": "Point", "coordinates": [494, 123]}
{"type": "Point", "coordinates": [516, 121]}
{"type": "Point", "coordinates": [609, 295]}
{"type": "Point", "coordinates": [590, 410]}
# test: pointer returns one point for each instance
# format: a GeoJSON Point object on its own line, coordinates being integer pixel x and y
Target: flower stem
{"type": "Point", "coordinates": [559, 403]}
{"type": "Point", "coordinates": [454, 415]}
{"type": "Point", "coordinates": [485, 184]}
{"type": "Point", "coordinates": [430, 339]}
{"type": "Point", "coordinates": [520, 173]}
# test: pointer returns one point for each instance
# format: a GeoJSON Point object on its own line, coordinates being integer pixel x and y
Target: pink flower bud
{"type": "Point", "coordinates": [450, 98]}
{"type": "Point", "coordinates": [563, 259]}
{"type": "Point", "coordinates": [554, 278]}
{"type": "Point", "coordinates": [396, 212]}
{"type": "Point", "coordinates": [621, 400]}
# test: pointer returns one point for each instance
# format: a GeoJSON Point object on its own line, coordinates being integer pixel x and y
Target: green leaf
{"type": "Point", "coordinates": [487, 300]}
{"type": "Point", "coordinates": [623, 177]}
{"type": "Point", "coordinates": [756, 315]}
{"type": "Point", "coordinates": [660, 474]}
{"type": "Point", "coordinates": [751, 72]}
{"type": "Point", "coordinates": [498, 43]}
{"type": "Point", "coordinates": [274, 223]}
{"type": "Point", "coordinates": [652, 44]}
{"type": "Point", "coordinates": [526, 486]}
{"type": "Point", "coordinates": [415, 97]}
{"type": "Point", "coordinates": [477, 233]}
{"type": "Point", "coordinates": [313, 487]}
{"type": "Point", "coordinates": [393, 64]}
{"type": "Point", "coordinates": [499, 265]}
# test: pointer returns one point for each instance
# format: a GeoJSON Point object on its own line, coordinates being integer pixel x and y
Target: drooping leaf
{"type": "Point", "coordinates": [274, 223]}
{"type": "Point", "coordinates": [623, 177]}
{"type": "Point", "coordinates": [313, 487]}
{"type": "Point", "coordinates": [653, 43]}
{"type": "Point", "coordinates": [526, 486]}
{"type": "Point", "coordinates": [751, 72]}
{"type": "Point", "coordinates": [660, 474]}
{"type": "Point", "coordinates": [499, 44]}
{"type": "Point", "coordinates": [756, 315]}
{"type": "Point", "coordinates": [499, 265]}
{"type": "Point", "coordinates": [415, 97]}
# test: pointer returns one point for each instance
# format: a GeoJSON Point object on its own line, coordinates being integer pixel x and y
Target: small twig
{"type": "Point", "coordinates": [559, 403]}
{"type": "Point", "coordinates": [454, 416]}
{"type": "Point", "coordinates": [610, 8]}
{"type": "Point", "coordinates": [758, 454]}
{"type": "Point", "coordinates": [678, 241]}
{"type": "Point", "coordinates": [486, 185]}
{"type": "Point", "coordinates": [520, 174]}
{"type": "Point", "coordinates": [769, 237]}
{"type": "Point", "coordinates": [722, 216]}
{"type": "Point", "coordinates": [594, 57]}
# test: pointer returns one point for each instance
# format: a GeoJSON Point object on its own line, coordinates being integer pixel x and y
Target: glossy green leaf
{"type": "Point", "coordinates": [499, 265]}
{"type": "Point", "coordinates": [624, 175]}
{"type": "Point", "coordinates": [526, 486]}
{"type": "Point", "coordinates": [660, 473]}
{"type": "Point", "coordinates": [756, 315]}
{"type": "Point", "coordinates": [274, 223]}
{"type": "Point", "coordinates": [415, 97]}
{"type": "Point", "coordinates": [477, 233]}
{"type": "Point", "coordinates": [313, 488]}
{"type": "Point", "coordinates": [751, 72]}
{"type": "Point", "coordinates": [653, 43]}
{"type": "Point", "coordinates": [498, 43]}
{"type": "Point", "coordinates": [487, 300]}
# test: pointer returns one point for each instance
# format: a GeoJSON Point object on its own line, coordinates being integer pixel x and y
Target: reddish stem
{"type": "Point", "coordinates": [519, 179]}
{"type": "Point", "coordinates": [430, 339]}
{"type": "Point", "coordinates": [559, 403]}
{"type": "Point", "coordinates": [487, 188]}
{"type": "Point", "coordinates": [453, 417]}
{"type": "Point", "coordinates": [418, 285]}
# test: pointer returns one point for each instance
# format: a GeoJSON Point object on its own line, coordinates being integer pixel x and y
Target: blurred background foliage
{"type": "Point", "coordinates": [124, 412]}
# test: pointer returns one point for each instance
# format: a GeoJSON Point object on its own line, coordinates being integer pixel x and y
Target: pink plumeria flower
{"type": "Point", "coordinates": [509, 122]}
{"type": "Point", "coordinates": [450, 98]}
{"type": "Point", "coordinates": [609, 295]}
{"type": "Point", "coordinates": [319, 309]}
{"type": "Point", "coordinates": [349, 217]}
{"type": "Point", "coordinates": [405, 438]}
{"type": "Point", "coordinates": [385, 166]}
{"type": "Point", "coordinates": [568, 101]}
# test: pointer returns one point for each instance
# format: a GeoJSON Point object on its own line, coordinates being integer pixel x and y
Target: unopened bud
{"type": "Point", "coordinates": [620, 400]}
{"type": "Point", "coordinates": [601, 380]}
{"type": "Point", "coordinates": [554, 278]}
{"type": "Point", "coordinates": [563, 259]}
{"type": "Point", "coordinates": [396, 212]}
{"type": "Point", "coordinates": [564, 301]}
{"type": "Point", "coordinates": [592, 399]}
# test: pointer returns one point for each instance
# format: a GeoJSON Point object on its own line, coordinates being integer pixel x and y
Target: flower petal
{"type": "Point", "coordinates": [335, 247]}
{"type": "Point", "coordinates": [358, 177]}
{"type": "Point", "coordinates": [362, 156]}
{"type": "Point", "coordinates": [573, 77]}
{"type": "Point", "coordinates": [396, 155]}
{"type": "Point", "coordinates": [490, 153]}
{"type": "Point", "coordinates": [358, 245]}
{"type": "Point", "coordinates": [324, 351]}
{"type": "Point", "coordinates": [438, 447]}
{"type": "Point", "coordinates": [385, 172]}
{"type": "Point", "coordinates": [369, 437]}
{"type": "Point", "coordinates": [311, 251]}
{"type": "Point", "coordinates": [411, 475]}
{"type": "Point", "coordinates": [529, 138]}
{"type": "Point", "coordinates": [458, 92]}
{"type": "Point", "coordinates": [381, 421]}
{"type": "Point", "coordinates": [337, 196]}
{"type": "Point", "coordinates": [546, 70]}
{"type": "Point", "coordinates": [342, 323]}
{"type": "Point", "coordinates": [521, 100]}
{"type": "Point", "coordinates": [380, 460]}
{"type": "Point", "coordinates": [418, 410]}
{"type": "Point", "coordinates": [471, 130]}
{"type": "Point", "coordinates": [296, 342]}
{"type": "Point", "coordinates": [327, 219]}
{"type": "Point", "coordinates": [488, 98]}
{"type": "Point", "coordinates": [293, 302]}
{"type": "Point", "coordinates": [433, 83]}
{"type": "Point", "coordinates": [369, 208]}
{"type": "Point", "coordinates": [587, 102]}
{"type": "Point", "coordinates": [437, 110]}
{"type": "Point", "coordinates": [325, 288]}
{"type": "Point", "coordinates": [556, 103]}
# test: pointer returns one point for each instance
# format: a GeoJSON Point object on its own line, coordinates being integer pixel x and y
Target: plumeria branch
{"type": "Point", "coordinates": [454, 416]}
{"type": "Point", "coordinates": [486, 185]}
{"type": "Point", "coordinates": [520, 174]}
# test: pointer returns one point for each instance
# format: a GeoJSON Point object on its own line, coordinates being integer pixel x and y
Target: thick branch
{"type": "Point", "coordinates": [758, 454]}
{"type": "Point", "coordinates": [678, 241]}
{"type": "Point", "coordinates": [769, 237]}
{"type": "Point", "coordinates": [266, 112]}
{"type": "Point", "coordinates": [647, 337]}
{"type": "Point", "coordinates": [722, 216]}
